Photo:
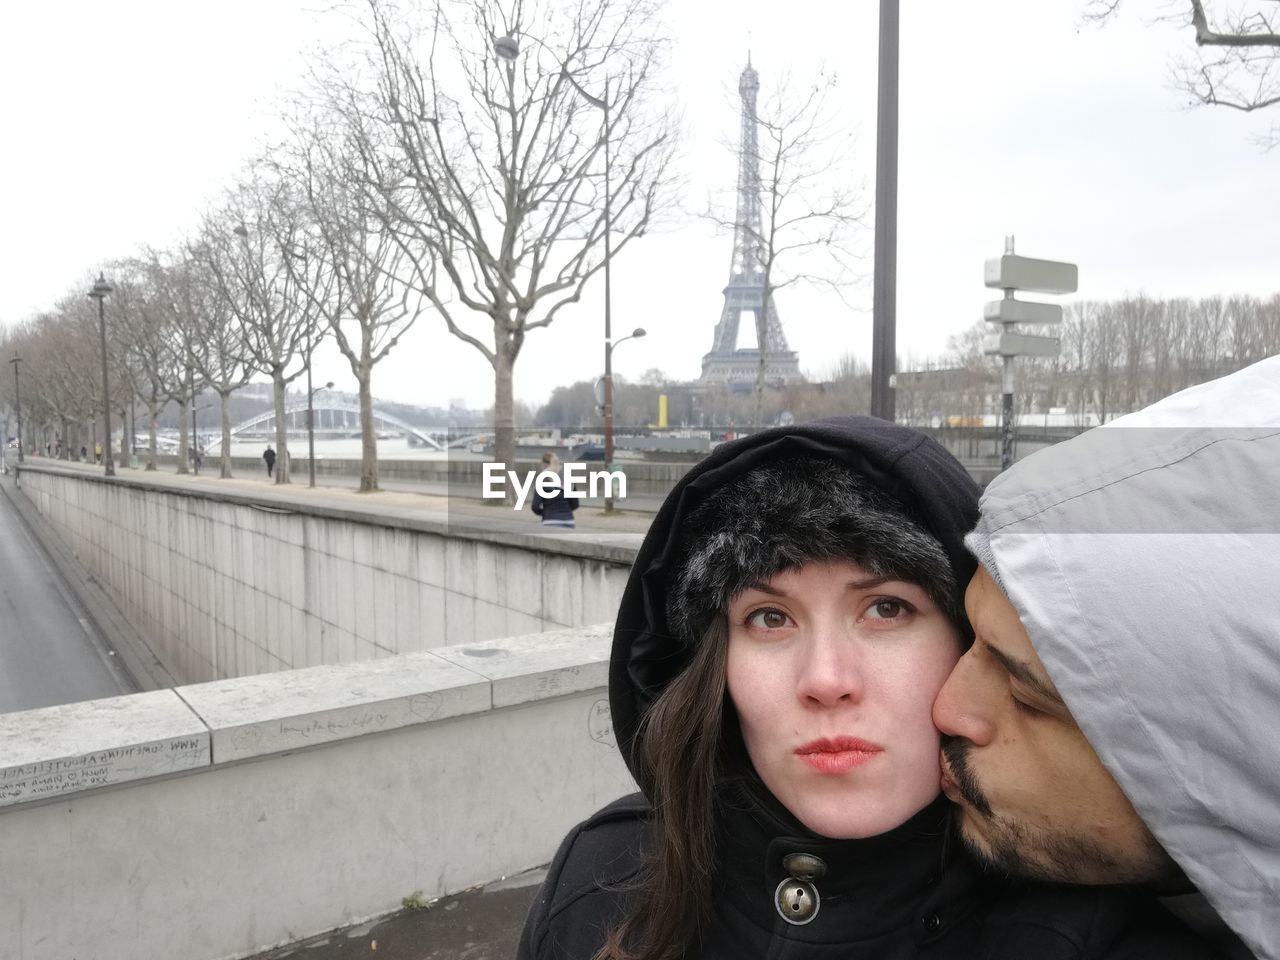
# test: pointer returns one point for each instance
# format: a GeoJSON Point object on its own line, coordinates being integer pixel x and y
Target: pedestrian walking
{"type": "Point", "coordinates": [269, 455]}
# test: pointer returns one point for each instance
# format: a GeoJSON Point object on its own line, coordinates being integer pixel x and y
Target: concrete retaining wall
{"type": "Point", "coordinates": [226, 585]}
{"type": "Point", "coordinates": [217, 820]}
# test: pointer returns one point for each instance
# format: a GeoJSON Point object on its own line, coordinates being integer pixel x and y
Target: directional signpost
{"type": "Point", "coordinates": [1012, 273]}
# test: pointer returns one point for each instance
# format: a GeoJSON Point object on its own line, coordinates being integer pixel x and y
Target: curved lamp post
{"type": "Point", "coordinates": [99, 292]}
{"type": "Point", "coordinates": [635, 334]}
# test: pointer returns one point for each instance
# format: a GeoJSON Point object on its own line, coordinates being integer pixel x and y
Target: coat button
{"type": "Point", "coordinates": [931, 922]}
{"type": "Point", "coordinates": [796, 901]}
{"type": "Point", "coordinates": [804, 866]}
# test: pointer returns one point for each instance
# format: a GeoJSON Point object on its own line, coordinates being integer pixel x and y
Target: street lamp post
{"type": "Point", "coordinates": [17, 395]}
{"type": "Point", "coordinates": [885, 284]}
{"type": "Point", "coordinates": [635, 334]}
{"type": "Point", "coordinates": [99, 292]}
{"type": "Point", "coordinates": [311, 419]}
{"type": "Point", "coordinates": [508, 49]}
{"type": "Point", "coordinates": [195, 436]}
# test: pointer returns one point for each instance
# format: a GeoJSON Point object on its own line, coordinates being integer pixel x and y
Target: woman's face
{"type": "Point", "coordinates": [833, 674]}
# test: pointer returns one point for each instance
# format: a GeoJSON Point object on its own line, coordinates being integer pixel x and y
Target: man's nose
{"type": "Point", "coordinates": [962, 707]}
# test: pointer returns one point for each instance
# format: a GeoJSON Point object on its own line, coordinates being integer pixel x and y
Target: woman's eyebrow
{"type": "Point", "coordinates": [764, 588]}
{"type": "Point", "coordinates": [869, 584]}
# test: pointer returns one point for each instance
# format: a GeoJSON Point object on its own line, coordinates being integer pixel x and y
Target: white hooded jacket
{"type": "Point", "coordinates": [1144, 561]}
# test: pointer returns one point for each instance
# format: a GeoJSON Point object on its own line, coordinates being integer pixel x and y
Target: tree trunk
{"type": "Point", "coordinates": [504, 427]}
{"type": "Point", "coordinates": [125, 459]}
{"type": "Point", "coordinates": [224, 401]}
{"type": "Point", "coordinates": [184, 438]}
{"type": "Point", "coordinates": [66, 439]}
{"type": "Point", "coordinates": [282, 428]}
{"type": "Point", "coordinates": [368, 436]}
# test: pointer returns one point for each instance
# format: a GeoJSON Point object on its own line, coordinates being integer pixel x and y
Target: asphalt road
{"type": "Point", "coordinates": [50, 650]}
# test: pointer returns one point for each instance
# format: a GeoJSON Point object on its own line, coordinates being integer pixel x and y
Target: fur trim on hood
{"type": "Point", "coordinates": [790, 512]}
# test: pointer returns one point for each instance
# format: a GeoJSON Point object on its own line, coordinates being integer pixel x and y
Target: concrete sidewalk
{"type": "Point", "coordinates": [432, 500]}
{"type": "Point", "coordinates": [480, 924]}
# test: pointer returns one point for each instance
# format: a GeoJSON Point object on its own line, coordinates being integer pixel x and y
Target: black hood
{"type": "Point", "coordinates": [908, 466]}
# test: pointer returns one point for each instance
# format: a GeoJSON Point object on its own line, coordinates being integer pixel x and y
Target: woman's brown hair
{"type": "Point", "coordinates": [686, 747]}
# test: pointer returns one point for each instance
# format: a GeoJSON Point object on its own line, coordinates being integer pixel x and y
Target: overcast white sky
{"type": "Point", "coordinates": [121, 119]}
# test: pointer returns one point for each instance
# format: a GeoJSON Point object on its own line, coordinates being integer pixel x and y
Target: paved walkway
{"type": "Point", "coordinates": [427, 500]}
{"type": "Point", "coordinates": [481, 924]}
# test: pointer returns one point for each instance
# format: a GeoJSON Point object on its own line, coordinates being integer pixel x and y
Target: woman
{"type": "Point", "coordinates": [556, 508]}
{"type": "Point", "coordinates": [791, 615]}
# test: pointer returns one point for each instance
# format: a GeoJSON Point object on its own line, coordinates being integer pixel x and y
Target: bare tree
{"type": "Point", "coordinates": [501, 208]}
{"type": "Point", "coordinates": [146, 322]}
{"type": "Point", "coordinates": [798, 206]}
{"type": "Point", "coordinates": [248, 246]}
{"type": "Point", "coordinates": [1237, 59]}
{"type": "Point", "coordinates": [177, 296]}
{"type": "Point", "coordinates": [217, 348]}
{"type": "Point", "coordinates": [353, 265]}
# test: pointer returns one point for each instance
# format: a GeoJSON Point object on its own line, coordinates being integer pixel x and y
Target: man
{"type": "Point", "coordinates": [1117, 719]}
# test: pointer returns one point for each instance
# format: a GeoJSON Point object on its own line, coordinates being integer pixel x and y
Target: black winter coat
{"type": "Point", "coordinates": [909, 893]}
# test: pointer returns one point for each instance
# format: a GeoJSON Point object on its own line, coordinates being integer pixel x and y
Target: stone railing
{"type": "Point", "coordinates": [221, 819]}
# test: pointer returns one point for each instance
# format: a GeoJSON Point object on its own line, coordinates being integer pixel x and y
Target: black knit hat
{"type": "Point", "coordinates": [915, 475]}
{"type": "Point", "coordinates": [785, 513]}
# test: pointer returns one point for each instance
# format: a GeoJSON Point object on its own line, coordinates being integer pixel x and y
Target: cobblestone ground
{"type": "Point", "coordinates": [481, 924]}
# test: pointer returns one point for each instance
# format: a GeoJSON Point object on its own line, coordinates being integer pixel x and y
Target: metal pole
{"type": "Point", "coordinates": [608, 301]}
{"type": "Point", "coordinates": [884, 296]}
{"type": "Point", "coordinates": [17, 393]}
{"type": "Point", "coordinates": [311, 420]}
{"type": "Point", "coordinates": [108, 462]}
{"type": "Point", "coordinates": [1006, 387]}
{"type": "Point", "coordinates": [1006, 415]}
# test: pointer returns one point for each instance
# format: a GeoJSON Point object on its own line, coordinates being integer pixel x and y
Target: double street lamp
{"type": "Point", "coordinates": [99, 292]}
{"type": "Point", "coordinates": [508, 48]}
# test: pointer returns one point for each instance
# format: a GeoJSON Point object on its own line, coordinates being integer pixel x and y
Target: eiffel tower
{"type": "Point", "coordinates": [726, 364]}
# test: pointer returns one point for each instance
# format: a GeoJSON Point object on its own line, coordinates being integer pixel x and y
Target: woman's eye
{"type": "Point", "coordinates": [767, 619]}
{"type": "Point", "coordinates": [887, 609]}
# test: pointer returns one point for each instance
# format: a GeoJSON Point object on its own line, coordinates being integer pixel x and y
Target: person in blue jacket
{"type": "Point", "coordinates": [555, 509]}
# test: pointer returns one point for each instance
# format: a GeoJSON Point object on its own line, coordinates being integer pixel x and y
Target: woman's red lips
{"type": "Point", "coordinates": [838, 755]}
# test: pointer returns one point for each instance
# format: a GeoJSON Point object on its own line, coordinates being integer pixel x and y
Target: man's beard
{"type": "Point", "coordinates": [1053, 855]}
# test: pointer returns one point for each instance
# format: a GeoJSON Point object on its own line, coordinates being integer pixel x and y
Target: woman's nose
{"type": "Point", "coordinates": [830, 671]}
